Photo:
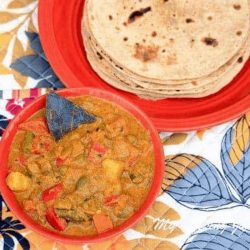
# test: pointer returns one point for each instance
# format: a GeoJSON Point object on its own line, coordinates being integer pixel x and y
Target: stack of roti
{"type": "Point", "coordinates": [167, 48]}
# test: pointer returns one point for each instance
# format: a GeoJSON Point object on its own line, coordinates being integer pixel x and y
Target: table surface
{"type": "Point", "coordinates": [204, 201]}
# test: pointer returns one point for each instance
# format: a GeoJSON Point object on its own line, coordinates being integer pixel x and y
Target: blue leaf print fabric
{"type": "Point", "coordinates": [37, 66]}
{"type": "Point", "coordinates": [196, 183]}
{"type": "Point", "coordinates": [191, 180]}
{"type": "Point", "coordinates": [219, 237]}
{"type": "Point", "coordinates": [4, 121]}
{"type": "Point", "coordinates": [36, 44]}
{"type": "Point", "coordinates": [235, 157]}
{"type": "Point", "coordinates": [8, 242]}
{"type": "Point", "coordinates": [9, 230]}
{"type": "Point", "coordinates": [24, 243]}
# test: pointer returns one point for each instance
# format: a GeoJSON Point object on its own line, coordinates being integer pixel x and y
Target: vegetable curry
{"type": "Point", "coordinates": [91, 180]}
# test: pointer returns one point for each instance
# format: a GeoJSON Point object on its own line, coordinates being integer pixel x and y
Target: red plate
{"type": "Point", "coordinates": [59, 24]}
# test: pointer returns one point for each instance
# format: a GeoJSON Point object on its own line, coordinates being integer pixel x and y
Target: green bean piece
{"type": "Point", "coordinates": [63, 170]}
{"type": "Point", "coordinates": [28, 142]}
{"type": "Point", "coordinates": [82, 181]}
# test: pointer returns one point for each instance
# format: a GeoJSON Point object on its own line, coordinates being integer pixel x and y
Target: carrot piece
{"type": "Point", "coordinates": [102, 223]}
{"type": "Point", "coordinates": [29, 205]}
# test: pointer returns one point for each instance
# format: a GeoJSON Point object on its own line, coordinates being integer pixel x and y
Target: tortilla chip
{"type": "Point", "coordinates": [64, 116]}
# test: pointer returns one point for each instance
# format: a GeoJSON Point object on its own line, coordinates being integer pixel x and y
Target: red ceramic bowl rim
{"type": "Point", "coordinates": [38, 104]}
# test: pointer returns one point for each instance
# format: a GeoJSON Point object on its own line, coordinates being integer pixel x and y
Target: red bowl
{"type": "Point", "coordinates": [39, 103]}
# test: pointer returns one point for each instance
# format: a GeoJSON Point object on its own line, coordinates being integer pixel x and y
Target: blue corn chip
{"type": "Point", "coordinates": [64, 116]}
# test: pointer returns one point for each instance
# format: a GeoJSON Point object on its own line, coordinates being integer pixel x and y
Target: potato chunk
{"type": "Point", "coordinates": [33, 168]}
{"type": "Point", "coordinates": [113, 169]}
{"type": "Point", "coordinates": [18, 182]}
{"type": "Point", "coordinates": [63, 204]}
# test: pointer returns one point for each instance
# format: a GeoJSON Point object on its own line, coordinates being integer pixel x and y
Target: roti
{"type": "Point", "coordinates": [167, 48]}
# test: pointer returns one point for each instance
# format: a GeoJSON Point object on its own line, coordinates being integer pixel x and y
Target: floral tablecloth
{"type": "Point", "coordinates": [204, 203]}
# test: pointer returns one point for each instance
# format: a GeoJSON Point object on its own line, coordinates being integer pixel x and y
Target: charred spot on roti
{"type": "Point", "coordinates": [119, 67]}
{"type": "Point", "coordinates": [192, 41]}
{"type": "Point", "coordinates": [163, 51]}
{"type": "Point", "coordinates": [99, 55]}
{"type": "Point", "coordinates": [194, 83]}
{"type": "Point", "coordinates": [125, 24]}
{"type": "Point", "coordinates": [110, 17]}
{"type": "Point", "coordinates": [138, 86]}
{"type": "Point", "coordinates": [138, 13]}
{"type": "Point", "coordinates": [239, 33]}
{"type": "Point", "coordinates": [171, 40]}
{"type": "Point", "coordinates": [125, 39]}
{"type": "Point", "coordinates": [144, 40]}
{"type": "Point", "coordinates": [209, 41]}
{"type": "Point", "coordinates": [237, 6]}
{"type": "Point", "coordinates": [210, 18]}
{"type": "Point", "coordinates": [146, 53]}
{"type": "Point", "coordinates": [189, 20]}
{"type": "Point", "coordinates": [154, 34]}
{"type": "Point", "coordinates": [240, 60]}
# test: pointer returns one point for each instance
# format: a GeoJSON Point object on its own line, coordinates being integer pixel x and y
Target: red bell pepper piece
{"type": "Point", "coordinates": [102, 223]}
{"type": "Point", "coordinates": [38, 126]}
{"type": "Point", "coordinates": [98, 148]}
{"type": "Point", "coordinates": [56, 222]}
{"type": "Point", "coordinates": [59, 162]}
{"type": "Point", "coordinates": [96, 152]}
{"type": "Point", "coordinates": [41, 144]}
{"type": "Point", "coordinates": [22, 160]}
{"type": "Point", "coordinates": [51, 193]}
{"type": "Point", "coordinates": [132, 161]}
{"type": "Point", "coordinates": [111, 200]}
{"type": "Point", "coordinates": [47, 146]}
